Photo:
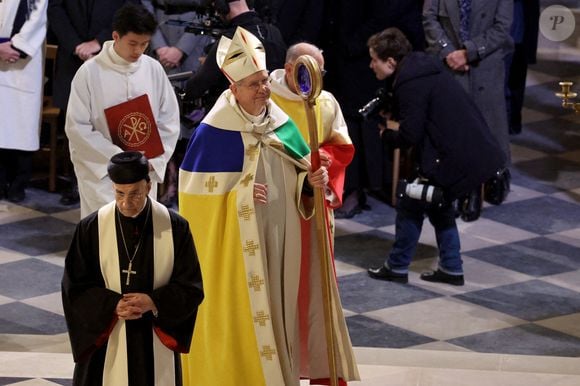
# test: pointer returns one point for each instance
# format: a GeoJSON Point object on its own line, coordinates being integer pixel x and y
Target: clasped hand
{"type": "Point", "coordinates": [87, 50]}
{"type": "Point", "coordinates": [457, 61]}
{"type": "Point", "coordinates": [7, 53]}
{"type": "Point", "coordinates": [133, 305]}
{"type": "Point", "coordinates": [169, 57]}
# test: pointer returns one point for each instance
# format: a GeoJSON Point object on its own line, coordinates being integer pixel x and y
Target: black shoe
{"type": "Point", "coordinates": [340, 213]}
{"type": "Point", "coordinates": [383, 273]}
{"type": "Point", "coordinates": [380, 195]}
{"type": "Point", "coordinates": [71, 196]}
{"type": "Point", "coordinates": [515, 129]}
{"type": "Point", "coordinates": [3, 191]}
{"type": "Point", "coordinates": [442, 277]}
{"type": "Point", "coordinates": [16, 193]}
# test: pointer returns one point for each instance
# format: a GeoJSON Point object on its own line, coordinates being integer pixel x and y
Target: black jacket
{"type": "Point", "coordinates": [453, 144]}
{"type": "Point", "coordinates": [210, 78]}
{"type": "Point", "coordinates": [298, 20]}
{"type": "Point", "coordinates": [346, 27]}
{"type": "Point", "coordinates": [74, 22]}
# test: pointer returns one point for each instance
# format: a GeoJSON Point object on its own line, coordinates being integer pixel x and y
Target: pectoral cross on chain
{"type": "Point", "coordinates": [129, 272]}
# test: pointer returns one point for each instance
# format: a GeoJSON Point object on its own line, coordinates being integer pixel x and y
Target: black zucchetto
{"type": "Point", "coordinates": [128, 167]}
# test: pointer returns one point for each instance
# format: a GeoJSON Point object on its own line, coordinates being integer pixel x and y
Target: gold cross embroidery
{"type": "Point", "coordinates": [252, 152]}
{"type": "Point", "coordinates": [261, 318]}
{"type": "Point", "coordinates": [256, 282]}
{"type": "Point", "coordinates": [247, 179]}
{"type": "Point", "coordinates": [246, 212]}
{"type": "Point", "coordinates": [211, 184]}
{"type": "Point", "coordinates": [267, 352]}
{"type": "Point", "coordinates": [251, 247]}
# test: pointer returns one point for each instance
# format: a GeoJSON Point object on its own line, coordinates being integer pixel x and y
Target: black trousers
{"type": "Point", "coordinates": [370, 168]}
{"type": "Point", "coordinates": [516, 87]}
{"type": "Point", "coordinates": [15, 168]}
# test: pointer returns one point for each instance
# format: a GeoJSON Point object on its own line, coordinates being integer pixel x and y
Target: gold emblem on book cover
{"type": "Point", "coordinates": [134, 129]}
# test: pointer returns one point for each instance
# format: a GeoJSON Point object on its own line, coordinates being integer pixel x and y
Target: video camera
{"type": "Point", "coordinates": [191, 111]}
{"type": "Point", "coordinates": [383, 100]}
{"type": "Point", "coordinates": [211, 15]}
{"type": "Point", "coordinates": [418, 190]}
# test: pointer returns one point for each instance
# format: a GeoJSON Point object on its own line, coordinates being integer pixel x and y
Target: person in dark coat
{"type": "Point", "coordinates": [209, 78]}
{"type": "Point", "coordinates": [455, 152]}
{"type": "Point", "coordinates": [346, 27]}
{"type": "Point", "coordinates": [472, 38]}
{"type": "Point", "coordinates": [524, 31]}
{"type": "Point", "coordinates": [81, 27]}
{"type": "Point", "coordinates": [407, 15]}
{"type": "Point", "coordinates": [131, 286]}
{"type": "Point", "coordinates": [298, 20]}
{"type": "Point", "coordinates": [474, 52]}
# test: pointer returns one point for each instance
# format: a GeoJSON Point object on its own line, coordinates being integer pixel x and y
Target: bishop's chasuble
{"type": "Point", "coordinates": [333, 139]}
{"type": "Point", "coordinates": [247, 328]}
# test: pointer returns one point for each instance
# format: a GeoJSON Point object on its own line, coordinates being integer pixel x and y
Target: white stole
{"type": "Point", "coordinates": [115, 371]}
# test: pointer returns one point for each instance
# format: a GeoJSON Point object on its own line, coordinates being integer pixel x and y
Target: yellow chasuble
{"type": "Point", "coordinates": [246, 329]}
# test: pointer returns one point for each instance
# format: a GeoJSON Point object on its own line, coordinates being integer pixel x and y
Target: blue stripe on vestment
{"type": "Point", "coordinates": [214, 150]}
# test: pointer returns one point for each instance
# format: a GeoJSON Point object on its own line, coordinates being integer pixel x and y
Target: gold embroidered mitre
{"type": "Point", "coordinates": [241, 56]}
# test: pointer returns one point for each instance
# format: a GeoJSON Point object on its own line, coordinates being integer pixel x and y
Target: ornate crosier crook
{"type": "Point", "coordinates": [308, 80]}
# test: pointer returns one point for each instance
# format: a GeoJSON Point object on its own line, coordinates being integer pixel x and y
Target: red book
{"type": "Point", "coordinates": [133, 127]}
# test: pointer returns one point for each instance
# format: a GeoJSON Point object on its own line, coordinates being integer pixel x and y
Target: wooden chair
{"type": "Point", "coordinates": [50, 115]}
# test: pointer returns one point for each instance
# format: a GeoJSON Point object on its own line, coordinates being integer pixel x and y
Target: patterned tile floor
{"type": "Point", "coordinates": [522, 264]}
{"type": "Point", "coordinates": [516, 321]}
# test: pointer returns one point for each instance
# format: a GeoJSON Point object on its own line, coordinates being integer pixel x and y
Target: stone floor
{"type": "Point", "coordinates": [515, 322]}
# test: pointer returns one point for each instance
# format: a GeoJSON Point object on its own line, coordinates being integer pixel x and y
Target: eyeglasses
{"type": "Point", "coordinates": [257, 85]}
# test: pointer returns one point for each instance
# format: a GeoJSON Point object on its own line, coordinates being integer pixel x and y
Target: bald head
{"type": "Point", "coordinates": [299, 49]}
{"type": "Point", "coordinates": [293, 53]}
{"type": "Point", "coordinates": [237, 8]}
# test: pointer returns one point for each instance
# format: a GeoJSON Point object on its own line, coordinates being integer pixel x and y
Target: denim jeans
{"type": "Point", "coordinates": [409, 222]}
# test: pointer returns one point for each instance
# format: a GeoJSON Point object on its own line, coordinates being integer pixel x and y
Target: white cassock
{"type": "Point", "coordinates": [104, 81]}
{"type": "Point", "coordinates": [21, 82]}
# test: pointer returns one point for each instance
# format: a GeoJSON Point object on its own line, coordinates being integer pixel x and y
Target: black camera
{"type": "Point", "coordinates": [211, 16]}
{"type": "Point", "coordinates": [383, 100]}
{"type": "Point", "coordinates": [419, 191]}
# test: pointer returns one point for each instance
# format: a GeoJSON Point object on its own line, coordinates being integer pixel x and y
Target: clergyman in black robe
{"type": "Point", "coordinates": [131, 286]}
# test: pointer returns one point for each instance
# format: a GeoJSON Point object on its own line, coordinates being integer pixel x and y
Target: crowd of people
{"type": "Point", "coordinates": [340, 30]}
{"type": "Point", "coordinates": [244, 170]}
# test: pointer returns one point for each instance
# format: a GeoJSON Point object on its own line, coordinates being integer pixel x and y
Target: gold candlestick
{"type": "Point", "coordinates": [567, 95]}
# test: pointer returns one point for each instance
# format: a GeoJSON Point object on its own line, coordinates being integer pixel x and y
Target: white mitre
{"type": "Point", "coordinates": [241, 56]}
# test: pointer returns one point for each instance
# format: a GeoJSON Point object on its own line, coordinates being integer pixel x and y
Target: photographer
{"type": "Point", "coordinates": [454, 149]}
{"type": "Point", "coordinates": [209, 78]}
